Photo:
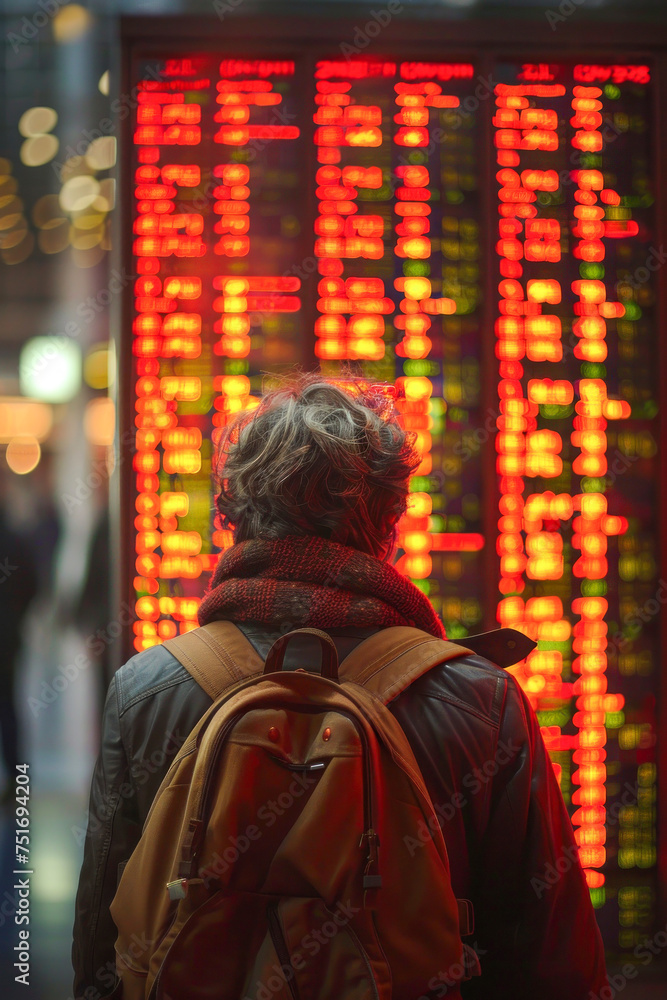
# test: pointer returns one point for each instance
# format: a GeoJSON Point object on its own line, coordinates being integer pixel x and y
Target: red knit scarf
{"type": "Point", "coordinates": [308, 580]}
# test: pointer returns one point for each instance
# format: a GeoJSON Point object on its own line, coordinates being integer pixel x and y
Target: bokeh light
{"type": "Point", "coordinates": [20, 416]}
{"type": "Point", "coordinates": [101, 154]}
{"type": "Point", "coordinates": [36, 121]}
{"type": "Point", "coordinates": [71, 23]}
{"type": "Point", "coordinates": [39, 149]}
{"type": "Point", "coordinates": [99, 366]}
{"type": "Point", "coordinates": [23, 454]}
{"type": "Point", "coordinates": [50, 368]}
{"type": "Point", "coordinates": [78, 193]}
{"type": "Point", "coordinates": [99, 421]}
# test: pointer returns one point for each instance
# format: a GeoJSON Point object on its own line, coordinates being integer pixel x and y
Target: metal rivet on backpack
{"type": "Point", "coordinates": [326, 735]}
{"type": "Point", "coordinates": [274, 734]}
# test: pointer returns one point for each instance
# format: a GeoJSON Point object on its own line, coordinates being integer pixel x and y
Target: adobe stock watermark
{"type": "Point", "coordinates": [100, 473]}
{"type": "Point", "coordinates": [553, 872]}
{"type": "Point", "coordinates": [471, 443]}
{"type": "Point", "coordinates": [364, 34]}
{"type": "Point", "coordinates": [618, 466]}
{"type": "Point", "coordinates": [473, 440]}
{"type": "Point", "coordinates": [442, 982]}
{"type": "Point", "coordinates": [280, 117]}
{"type": "Point", "coordinates": [120, 108]}
{"type": "Point", "coordinates": [50, 691]}
{"type": "Point", "coordinates": [632, 624]}
{"type": "Point", "coordinates": [311, 943]}
{"type": "Point", "coordinates": [564, 10]}
{"type": "Point", "coordinates": [6, 569]}
{"type": "Point", "coordinates": [31, 26]}
{"type": "Point", "coordinates": [106, 976]}
{"type": "Point", "coordinates": [267, 814]}
{"type": "Point", "coordinates": [201, 196]}
{"type": "Point", "coordinates": [225, 7]}
{"type": "Point", "coordinates": [89, 309]}
{"type": "Point", "coordinates": [456, 117]}
{"type": "Point", "coordinates": [654, 261]}
{"type": "Point", "coordinates": [474, 781]}
{"type": "Point", "coordinates": [471, 102]}
{"type": "Point", "coordinates": [140, 772]}
{"type": "Point", "coordinates": [645, 953]}
{"type": "Point", "coordinates": [95, 304]}
{"type": "Point", "coordinates": [303, 271]}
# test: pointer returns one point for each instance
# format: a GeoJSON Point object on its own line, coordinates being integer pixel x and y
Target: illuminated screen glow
{"type": "Point", "coordinates": [487, 246]}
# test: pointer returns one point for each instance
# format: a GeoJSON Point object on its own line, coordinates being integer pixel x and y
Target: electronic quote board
{"type": "Point", "coordinates": [482, 236]}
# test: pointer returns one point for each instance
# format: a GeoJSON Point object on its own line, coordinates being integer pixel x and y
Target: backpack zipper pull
{"type": "Point", "coordinates": [178, 889]}
{"type": "Point", "coordinates": [189, 847]}
{"type": "Point", "coordinates": [372, 877]}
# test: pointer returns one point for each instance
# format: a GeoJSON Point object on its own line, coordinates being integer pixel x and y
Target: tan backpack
{"type": "Point", "coordinates": [274, 864]}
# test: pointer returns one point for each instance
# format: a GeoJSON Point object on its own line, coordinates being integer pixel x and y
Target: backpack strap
{"type": "Point", "coordinates": [217, 656]}
{"type": "Point", "coordinates": [503, 646]}
{"type": "Point", "coordinates": [387, 662]}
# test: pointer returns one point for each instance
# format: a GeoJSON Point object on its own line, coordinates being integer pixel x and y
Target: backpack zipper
{"type": "Point", "coordinates": [190, 844]}
{"type": "Point", "coordinates": [371, 877]}
{"type": "Point", "coordinates": [275, 930]}
{"type": "Point", "coordinates": [315, 766]}
{"type": "Point", "coordinates": [366, 959]}
{"type": "Point", "coordinates": [279, 943]}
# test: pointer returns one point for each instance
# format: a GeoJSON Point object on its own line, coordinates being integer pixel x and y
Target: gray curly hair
{"type": "Point", "coordinates": [318, 456]}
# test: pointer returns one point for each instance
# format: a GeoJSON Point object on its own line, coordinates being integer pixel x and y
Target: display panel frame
{"type": "Point", "coordinates": [481, 43]}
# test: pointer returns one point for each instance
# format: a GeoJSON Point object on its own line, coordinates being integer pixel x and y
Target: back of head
{"type": "Point", "coordinates": [317, 457]}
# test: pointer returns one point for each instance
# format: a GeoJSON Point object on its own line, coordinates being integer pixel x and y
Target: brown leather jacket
{"type": "Point", "coordinates": [509, 839]}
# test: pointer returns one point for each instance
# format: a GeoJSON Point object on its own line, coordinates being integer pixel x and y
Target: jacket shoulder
{"type": "Point", "coordinates": [150, 671]}
{"type": "Point", "coordinates": [470, 683]}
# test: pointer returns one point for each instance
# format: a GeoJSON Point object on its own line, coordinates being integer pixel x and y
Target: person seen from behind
{"type": "Point", "coordinates": [311, 486]}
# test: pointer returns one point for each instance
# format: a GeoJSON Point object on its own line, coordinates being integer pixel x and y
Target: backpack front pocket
{"type": "Point", "coordinates": [252, 946]}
